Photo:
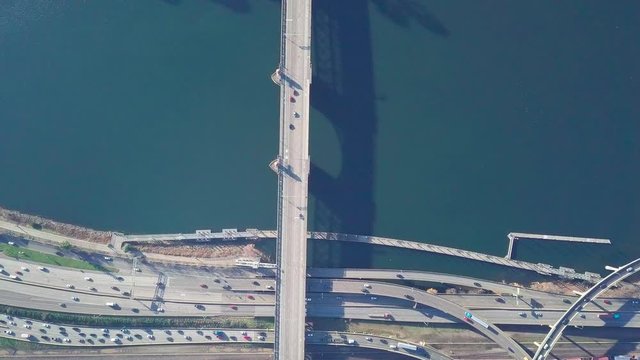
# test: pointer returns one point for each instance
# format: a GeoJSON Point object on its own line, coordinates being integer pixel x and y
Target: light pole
{"type": "Point", "coordinates": [133, 275]}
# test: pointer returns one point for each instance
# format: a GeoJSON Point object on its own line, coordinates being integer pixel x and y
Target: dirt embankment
{"type": "Point", "coordinates": [40, 223]}
{"type": "Point", "coordinates": [629, 288]}
{"type": "Point", "coordinates": [235, 250]}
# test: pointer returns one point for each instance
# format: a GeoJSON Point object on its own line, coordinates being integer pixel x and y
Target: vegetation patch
{"type": "Point", "coordinates": [14, 344]}
{"type": "Point", "coordinates": [139, 322]}
{"type": "Point", "coordinates": [43, 258]}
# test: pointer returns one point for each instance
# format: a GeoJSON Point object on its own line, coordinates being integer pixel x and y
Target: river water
{"type": "Point", "coordinates": [452, 123]}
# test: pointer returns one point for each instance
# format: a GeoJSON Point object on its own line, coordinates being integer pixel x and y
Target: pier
{"type": "Point", "coordinates": [515, 236]}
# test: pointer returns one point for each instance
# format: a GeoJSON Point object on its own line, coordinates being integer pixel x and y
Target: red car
{"type": "Point", "coordinates": [204, 286]}
{"type": "Point", "coordinates": [608, 302]}
{"type": "Point", "coordinates": [250, 297]}
{"type": "Point", "coordinates": [247, 337]}
{"type": "Point", "coordinates": [233, 307]}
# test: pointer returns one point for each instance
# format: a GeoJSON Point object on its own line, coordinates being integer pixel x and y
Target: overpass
{"type": "Point", "coordinates": [421, 297]}
{"type": "Point", "coordinates": [292, 165]}
{"type": "Point", "coordinates": [556, 330]}
{"type": "Point", "coordinates": [253, 234]}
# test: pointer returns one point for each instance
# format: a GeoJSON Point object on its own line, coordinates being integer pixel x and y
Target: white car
{"type": "Point", "coordinates": [150, 337]}
{"type": "Point", "coordinates": [42, 268]}
{"type": "Point", "coordinates": [9, 332]}
{"type": "Point", "coordinates": [46, 325]}
{"type": "Point", "coordinates": [11, 243]}
{"type": "Point", "coordinates": [107, 258]}
{"type": "Point", "coordinates": [137, 269]}
{"type": "Point", "coordinates": [69, 286]}
{"type": "Point", "coordinates": [88, 278]}
{"type": "Point", "coordinates": [24, 268]}
{"type": "Point", "coordinates": [75, 298]}
{"type": "Point", "coordinates": [67, 340]}
{"type": "Point", "coordinates": [27, 326]}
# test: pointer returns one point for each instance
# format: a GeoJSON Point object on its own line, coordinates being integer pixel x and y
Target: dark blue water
{"type": "Point", "coordinates": [453, 123]}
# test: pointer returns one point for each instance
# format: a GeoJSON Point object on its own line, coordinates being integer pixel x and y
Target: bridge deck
{"type": "Point", "coordinates": [293, 171]}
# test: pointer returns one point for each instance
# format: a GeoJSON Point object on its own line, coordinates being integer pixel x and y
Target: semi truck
{"type": "Point", "coordinates": [470, 316]}
{"type": "Point", "coordinates": [380, 316]}
{"type": "Point", "coordinates": [407, 346]}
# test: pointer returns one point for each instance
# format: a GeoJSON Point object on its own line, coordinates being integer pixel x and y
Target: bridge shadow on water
{"type": "Point", "coordinates": [343, 91]}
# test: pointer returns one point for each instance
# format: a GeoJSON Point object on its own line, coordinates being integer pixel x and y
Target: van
{"type": "Point", "coordinates": [112, 304]}
{"type": "Point", "coordinates": [25, 336]}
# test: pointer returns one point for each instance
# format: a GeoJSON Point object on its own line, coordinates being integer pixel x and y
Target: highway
{"type": "Point", "coordinates": [388, 274]}
{"type": "Point", "coordinates": [84, 336]}
{"type": "Point", "coordinates": [254, 297]}
{"type": "Point", "coordinates": [293, 171]}
{"type": "Point", "coordinates": [557, 329]}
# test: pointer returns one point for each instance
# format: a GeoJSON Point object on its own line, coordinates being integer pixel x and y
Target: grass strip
{"type": "Point", "coordinates": [43, 258]}
{"type": "Point", "coordinates": [139, 322]}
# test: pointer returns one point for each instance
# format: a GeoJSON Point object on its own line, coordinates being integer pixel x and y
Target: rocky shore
{"type": "Point", "coordinates": [40, 223]}
{"type": "Point", "coordinates": [213, 250]}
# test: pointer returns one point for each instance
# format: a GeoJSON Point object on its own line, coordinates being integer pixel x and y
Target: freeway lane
{"type": "Point", "coordinates": [182, 289]}
{"type": "Point", "coordinates": [181, 284]}
{"type": "Point", "coordinates": [388, 274]}
{"type": "Point", "coordinates": [85, 336]}
{"type": "Point", "coordinates": [16, 294]}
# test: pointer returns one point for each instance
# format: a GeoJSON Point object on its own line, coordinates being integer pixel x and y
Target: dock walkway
{"type": "Point", "coordinates": [232, 234]}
